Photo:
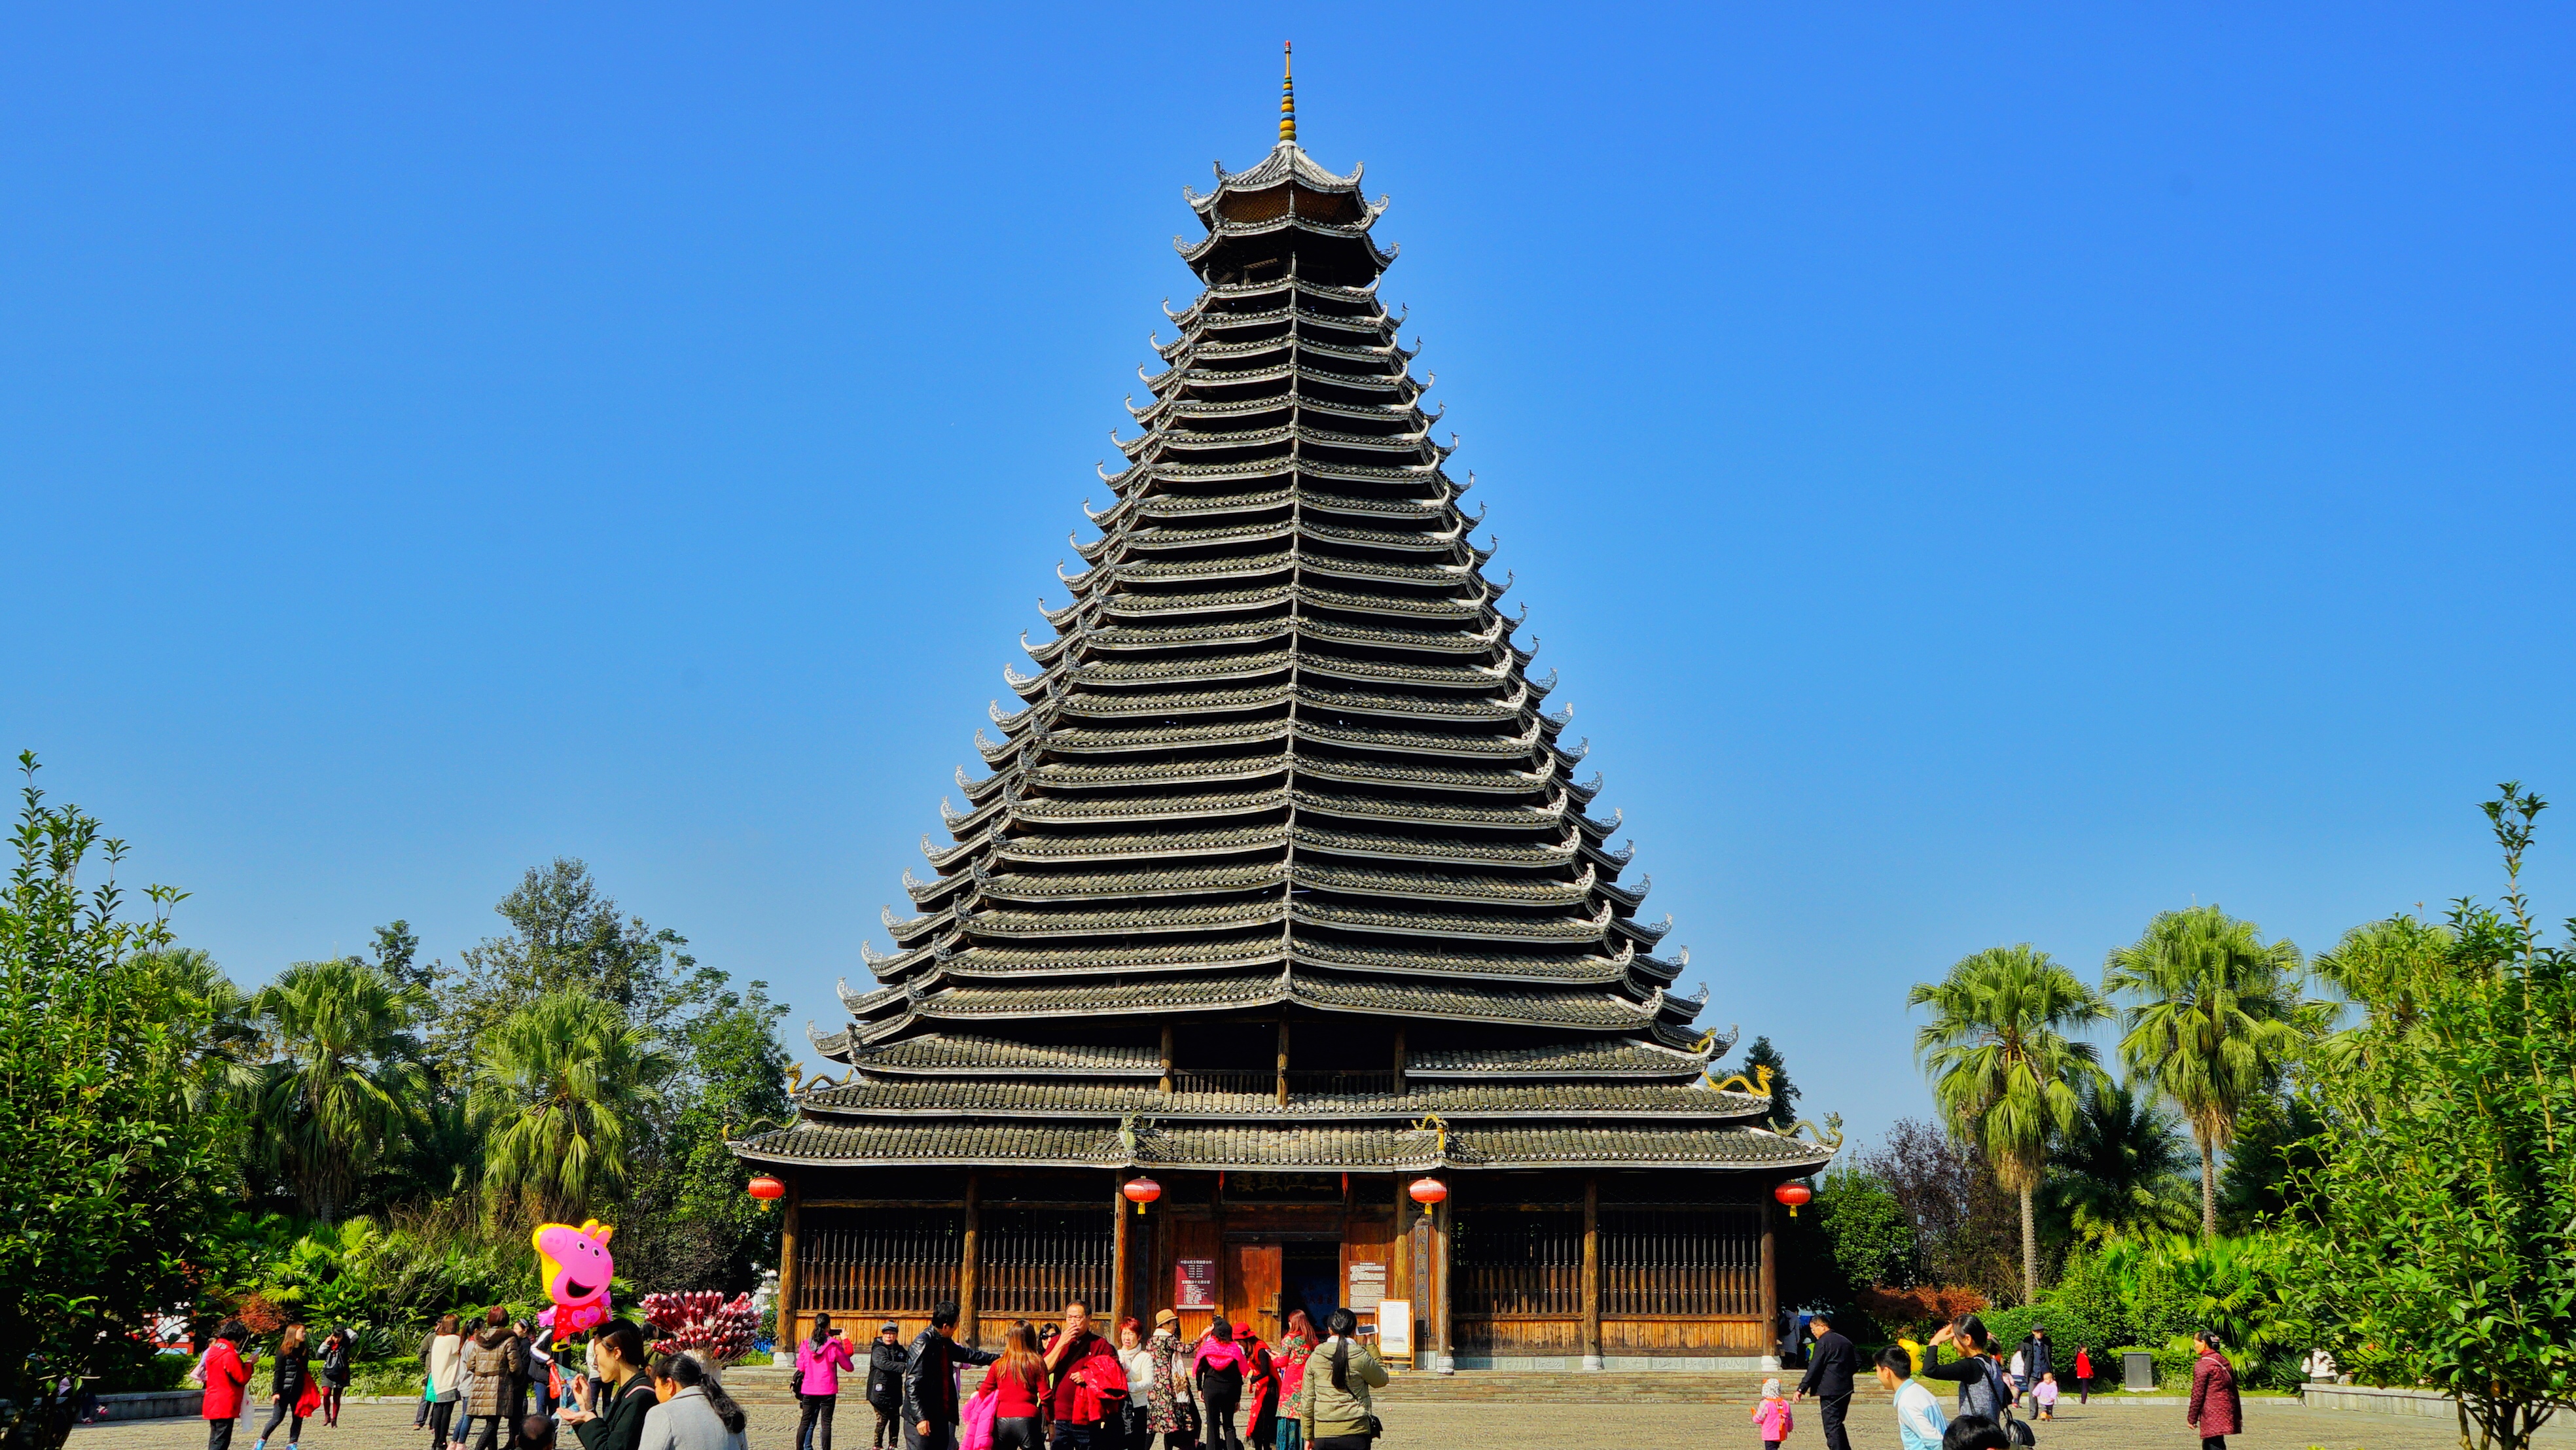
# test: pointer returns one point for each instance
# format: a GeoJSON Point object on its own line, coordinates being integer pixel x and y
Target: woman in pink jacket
{"type": "Point", "coordinates": [819, 1362]}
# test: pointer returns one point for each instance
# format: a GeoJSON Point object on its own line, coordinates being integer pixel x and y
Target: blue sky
{"type": "Point", "coordinates": [1984, 474]}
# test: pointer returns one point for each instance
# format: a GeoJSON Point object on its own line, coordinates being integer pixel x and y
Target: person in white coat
{"type": "Point", "coordinates": [695, 1413]}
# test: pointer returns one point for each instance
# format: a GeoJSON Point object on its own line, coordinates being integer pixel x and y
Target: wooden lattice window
{"type": "Point", "coordinates": [878, 1263]}
{"type": "Point", "coordinates": [1681, 1261]}
{"type": "Point", "coordinates": [1030, 1261]}
{"type": "Point", "coordinates": [1517, 1261]}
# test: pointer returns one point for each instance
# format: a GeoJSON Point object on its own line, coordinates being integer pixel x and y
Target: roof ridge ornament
{"type": "Point", "coordinates": [1287, 94]}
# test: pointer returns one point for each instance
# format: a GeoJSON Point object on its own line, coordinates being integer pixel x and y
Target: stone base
{"type": "Point", "coordinates": [1592, 1364]}
{"type": "Point", "coordinates": [1623, 1363]}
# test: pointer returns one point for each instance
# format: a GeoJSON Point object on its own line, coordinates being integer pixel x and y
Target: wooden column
{"type": "Point", "coordinates": [1283, 1059]}
{"type": "Point", "coordinates": [1444, 1361]}
{"type": "Point", "coordinates": [787, 1330]}
{"type": "Point", "coordinates": [1770, 1284]}
{"type": "Point", "coordinates": [1399, 1062]}
{"type": "Point", "coordinates": [1591, 1271]}
{"type": "Point", "coordinates": [968, 1248]}
{"type": "Point", "coordinates": [1167, 1057]}
{"type": "Point", "coordinates": [1119, 1211]}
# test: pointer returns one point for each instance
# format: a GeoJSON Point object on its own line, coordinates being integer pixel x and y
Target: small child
{"type": "Point", "coordinates": [2045, 1395]}
{"type": "Point", "coordinates": [1771, 1417]}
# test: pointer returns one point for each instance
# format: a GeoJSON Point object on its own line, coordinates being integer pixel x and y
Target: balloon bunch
{"type": "Point", "coordinates": [702, 1322]}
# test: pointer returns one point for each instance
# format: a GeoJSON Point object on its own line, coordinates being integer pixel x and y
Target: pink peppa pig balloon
{"type": "Point", "coordinates": [575, 1266]}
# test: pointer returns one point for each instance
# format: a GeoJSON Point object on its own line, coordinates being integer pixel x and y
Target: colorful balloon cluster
{"type": "Point", "coordinates": [702, 1322]}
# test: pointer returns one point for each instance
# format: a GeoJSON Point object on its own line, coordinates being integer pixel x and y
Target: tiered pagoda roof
{"type": "Point", "coordinates": [1281, 755]}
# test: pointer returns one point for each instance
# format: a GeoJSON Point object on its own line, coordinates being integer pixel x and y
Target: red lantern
{"type": "Point", "coordinates": [1793, 1194]}
{"type": "Point", "coordinates": [1428, 1191]}
{"type": "Point", "coordinates": [1142, 1191]}
{"type": "Point", "coordinates": [766, 1188]}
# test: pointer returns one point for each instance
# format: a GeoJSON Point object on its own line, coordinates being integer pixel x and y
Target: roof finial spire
{"type": "Point", "coordinates": [1287, 94]}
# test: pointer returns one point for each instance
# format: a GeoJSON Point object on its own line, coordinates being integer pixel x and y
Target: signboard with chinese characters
{"type": "Point", "coordinates": [1368, 1286]}
{"type": "Point", "coordinates": [1194, 1284]}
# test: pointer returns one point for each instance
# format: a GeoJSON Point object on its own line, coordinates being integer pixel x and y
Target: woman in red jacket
{"type": "Point", "coordinates": [225, 1372]}
{"type": "Point", "coordinates": [1260, 1388]}
{"type": "Point", "coordinates": [1018, 1380]}
{"type": "Point", "coordinates": [2216, 1411]}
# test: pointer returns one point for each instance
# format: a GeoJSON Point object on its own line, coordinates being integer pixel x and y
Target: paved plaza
{"type": "Point", "coordinates": [1438, 1426]}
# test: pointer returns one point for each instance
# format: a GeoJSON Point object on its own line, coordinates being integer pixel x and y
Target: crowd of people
{"type": "Point", "coordinates": [1065, 1386]}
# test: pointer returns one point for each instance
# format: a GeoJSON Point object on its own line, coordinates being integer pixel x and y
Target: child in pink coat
{"type": "Point", "coordinates": [1771, 1416]}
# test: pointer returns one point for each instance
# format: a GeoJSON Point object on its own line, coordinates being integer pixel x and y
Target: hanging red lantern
{"type": "Point", "coordinates": [766, 1188]}
{"type": "Point", "coordinates": [1428, 1191]}
{"type": "Point", "coordinates": [1142, 1191]}
{"type": "Point", "coordinates": [1793, 1193]}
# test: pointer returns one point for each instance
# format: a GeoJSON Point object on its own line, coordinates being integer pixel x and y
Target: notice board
{"type": "Point", "coordinates": [1194, 1284]}
{"type": "Point", "coordinates": [1395, 1328]}
{"type": "Point", "coordinates": [1367, 1287]}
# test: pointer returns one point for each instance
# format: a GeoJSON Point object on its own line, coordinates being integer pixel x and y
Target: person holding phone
{"type": "Point", "coordinates": [820, 1359]}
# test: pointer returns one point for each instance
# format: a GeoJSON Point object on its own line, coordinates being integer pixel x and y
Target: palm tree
{"type": "Point", "coordinates": [346, 1078]}
{"type": "Point", "coordinates": [224, 1042]}
{"type": "Point", "coordinates": [2216, 1016]}
{"type": "Point", "coordinates": [2004, 1069]}
{"type": "Point", "coordinates": [562, 1078]}
{"type": "Point", "coordinates": [2119, 1170]}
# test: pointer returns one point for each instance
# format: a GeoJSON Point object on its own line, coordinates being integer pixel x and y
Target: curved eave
{"type": "Point", "coordinates": [1722, 1147]}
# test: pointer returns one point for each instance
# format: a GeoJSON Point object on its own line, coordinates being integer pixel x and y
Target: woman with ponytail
{"type": "Point", "coordinates": [1333, 1406]}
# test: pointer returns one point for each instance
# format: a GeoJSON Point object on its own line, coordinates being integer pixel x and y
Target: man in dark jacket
{"type": "Point", "coordinates": [2039, 1356]}
{"type": "Point", "coordinates": [930, 1382]}
{"type": "Point", "coordinates": [886, 1359]}
{"type": "Point", "coordinates": [1829, 1379]}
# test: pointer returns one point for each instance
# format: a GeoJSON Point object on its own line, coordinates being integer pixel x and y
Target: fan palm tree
{"type": "Point", "coordinates": [2215, 1016]}
{"type": "Point", "coordinates": [2004, 1068]}
{"type": "Point", "coordinates": [225, 1043]}
{"type": "Point", "coordinates": [2119, 1170]}
{"type": "Point", "coordinates": [562, 1080]}
{"type": "Point", "coordinates": [346, 1079]}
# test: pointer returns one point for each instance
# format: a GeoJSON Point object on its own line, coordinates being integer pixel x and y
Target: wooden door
{"type": "Point", "coordinates": [1184, 1247]}
{"type": "Point", "coordinates": [1252, 1288]}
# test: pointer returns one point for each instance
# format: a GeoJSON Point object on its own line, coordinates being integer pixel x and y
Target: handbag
{"type": "Point", "coordinates": [309, 1401]}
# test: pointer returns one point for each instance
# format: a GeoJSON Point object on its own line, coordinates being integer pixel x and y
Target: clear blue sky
{"type": "Point", "coordinates": [1984, 474]}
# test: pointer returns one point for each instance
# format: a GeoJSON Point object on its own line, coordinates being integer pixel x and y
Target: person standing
{"type": "Point", "coordinates": [1260, 1388]}
{"type": "Point", "coordinates": [1018, 1384]}
{"type": "Point", "coordinates": [1829, 1379]}
{"type": "Point", "coordinates": [1216, 1373]}
{"type": "Point", "coordinates": [1919, 1421]}
{"type": "Point", "coordinates": [693, 1413]}
{"type": "Point", "coordinates": [930, 1382]}
{"type": "Point", "coordinates": [1137, 1363]}
{"type": "Point", "coordinates": [1296, 1345]}
{"type": "Point", "coordinates": [1334, 1411]}
{"type": "Point", "coordinates": [286, 1381]}
{"type": "Point", "coordinates": [1983, 1392]}
{"type": "Point", "coordinates": [885, 1386]}
{"type": "Point", "coordinates": [820, 1358]}
{"type": "Point", "coordinates": [1090, 1386]}
{"type": "Point", "coordinates": [443, 1354]}
{"type": "Point", "coordinates": [611, 1417]}
{"type": "Point", "coordinates": [2216, 1410]}
{"type": "Point", "coordinates": [1771, 1418]}
{"type": "Point", "coordinates": [334, 1372]}
{"type": "Point", "coordinates": [2040, 1353]}
{"type": "Point", "coordinates": [224, 1371]}
{"type": "Point", "coordinates": [1169, 1410]}
{"type": "Point", "coordinates": [542, 1375]}
{"type": "Point", "coordinates": [2083, 1374]}
{"type": "Point", "coordinates": [490, 1362]}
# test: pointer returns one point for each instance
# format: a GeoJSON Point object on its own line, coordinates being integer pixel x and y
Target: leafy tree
{"type": "Point", "coordinates": [225, 1049]}
{"type": "Point", "coordinates": [2118, 1170]}
{"type": "Point", "coordinates": [2215, 1017]}
{"type": "Point", "coordinates": [2004, 1069]}
{"type": "Point", "coordinates": [347, 1081]}
{"type": "Point", "coordinates": [1784, 1096]}
{"type": "Point", "coordinates": [2382, 961]}
{"type": "Point", "coordinates": [2273, 1156]}
{"type": "Point", "coordinates": [398, 956]}
{"type": "Point", "coordinates": [2449, 1179]}
{"type": "Point", "coordinates": [107, 1185]}
{"type": "Point", "coordinates": [1963, 1221]}
{"type": "Point", "coordinates": [565, 1084]}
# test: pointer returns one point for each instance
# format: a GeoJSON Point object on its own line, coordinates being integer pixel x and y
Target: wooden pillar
{"type": "Point", "coordinates": [1770, 1285]}
{"type": "Point", "coordinates": [1283, 1059]}
{"type": "Point", "coordinates": [968, 1248]}
{"type": "Point", "coordinates": [1592, 1271]}
{"type": "Point", "coordinates": [1399, 1062]}
{"type": "Point", "coordinates": [1443, 1360]}
{"type": "Point", "coordinates": [787, 1285]}
{"type": "Point", "coordinates": [1119, 1212]}
{"type": "Point", "coordinates": [1167, 1057]}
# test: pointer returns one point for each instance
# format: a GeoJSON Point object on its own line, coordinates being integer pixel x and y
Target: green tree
{"type": "Point", "coordinates": [2215, 1017]}
{"type": "Point", "coordinates": [107, 1184]}
{"type": "Point", "coordinates": [347, 1081]}
{"type": "Point", "coordinates": [1784, 1095]}
{"type": "Point", "coordinates": [2004, 1067]}
{"type": "Point", "coordinates": [2449, 1177]}
{"type": "Point", "coordinates": [565, 1085]}
{"type": "Point", "coordinates": [224, 1054]}
{"type": "Point", "coordinates": [2118, 1170]}
{"type": "Point", "coordinates": [2273, 1155]}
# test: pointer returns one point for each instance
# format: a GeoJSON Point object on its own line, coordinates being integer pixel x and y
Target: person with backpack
{"type": "Point", "coordinates": [1984, 1393]}
{"type": "Point", "coordinates": [1334, 1411]}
